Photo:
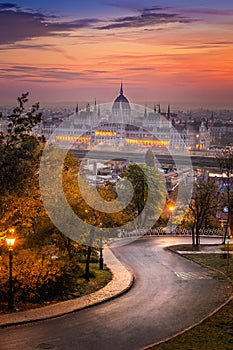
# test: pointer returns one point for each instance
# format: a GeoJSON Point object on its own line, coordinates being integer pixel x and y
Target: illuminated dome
{"type": "Point", "coordinates": [121, 108]}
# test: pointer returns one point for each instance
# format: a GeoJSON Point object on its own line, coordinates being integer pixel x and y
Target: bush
{"type": "Point", "coordinates": [38, 278]}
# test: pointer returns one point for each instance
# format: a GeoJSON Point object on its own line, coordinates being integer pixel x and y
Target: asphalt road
{"type": "Point", "coordinates": [170, 293]}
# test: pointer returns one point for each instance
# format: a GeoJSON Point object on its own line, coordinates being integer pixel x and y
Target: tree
{"type": "Point", "coordinates": [150, 158]}
{"type": "Point", "coordinates": [46, 262]}
{"type": "Point", "coordinates": [202, 205]}
{"type": "Point", "coordinates": [225, 158]}
{"type": "Point", "coordinates": [148, 192]}
{"type": "Point", "coordinates": [88, 258]}
{"type": "Point", "coordinates": [19, 149]}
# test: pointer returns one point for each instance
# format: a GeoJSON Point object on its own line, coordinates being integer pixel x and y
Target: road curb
{"type": "Point", "coordinates": [121, 282]}
{"type": "Point", "coordinates": [204, 318]}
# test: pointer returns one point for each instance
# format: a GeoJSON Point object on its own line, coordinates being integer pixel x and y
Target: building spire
{"type": "Point", "coordinates": [168, 112]}
{"type": "Point", "coordinates": [95, 106]}
{"type": "Point", "coordinates": [88, 107]}
{"type": "Point", "coordinates": [145, 112]}
{"type": "Point", "coordinates": [121, 90]}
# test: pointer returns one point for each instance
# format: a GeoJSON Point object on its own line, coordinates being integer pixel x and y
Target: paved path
{"type": "Point", "coordinates": [170, 293]}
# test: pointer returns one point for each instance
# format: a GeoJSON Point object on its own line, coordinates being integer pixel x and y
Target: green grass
{"type": "Point", "coordinates": [189, 247]}
{"type": "Point", "coordinates": [215, 333]}
{"type": "Point", "coordinates": [216, 261]}
{"type": "Point", "coordinates": [102, 277]}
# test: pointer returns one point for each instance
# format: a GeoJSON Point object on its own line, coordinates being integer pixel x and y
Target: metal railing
{"type": "Point", "coordinates": [161, 231]}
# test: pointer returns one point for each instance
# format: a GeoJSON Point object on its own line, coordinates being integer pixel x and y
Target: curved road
{"type": "Point", "coordinates": [170, 293]}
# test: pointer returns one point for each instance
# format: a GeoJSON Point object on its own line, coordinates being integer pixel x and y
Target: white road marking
{"type": "Point", "coordinates": [193, 275]}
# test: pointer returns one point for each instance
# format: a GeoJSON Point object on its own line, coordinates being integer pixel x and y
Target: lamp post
{"type": "Point", "coordinates": [228, 252]}
{"type": "Point", "coordinates": [101, 261]}
{"type": "Point", "coordinates": [171, 208]}
{"type": "Point", "coordinates": [10, 243]}
{"type": "Point", "coordinates": [101, 255]}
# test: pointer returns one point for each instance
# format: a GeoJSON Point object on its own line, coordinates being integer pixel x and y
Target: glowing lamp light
{"type": "Point", "coordinates": [171, 208]}
{"type": "Point", "coordinates": [10, 242]}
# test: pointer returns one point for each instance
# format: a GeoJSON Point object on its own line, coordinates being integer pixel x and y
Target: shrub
{"type": "Point", "coordinates": [38, 278]}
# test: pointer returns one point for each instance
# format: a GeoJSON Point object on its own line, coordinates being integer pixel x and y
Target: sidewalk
{"type": "Point", "coordinates": [122, 281]}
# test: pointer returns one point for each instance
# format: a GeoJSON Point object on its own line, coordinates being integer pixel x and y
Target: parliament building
{"type": "Point", "coordinates": [123, 124]}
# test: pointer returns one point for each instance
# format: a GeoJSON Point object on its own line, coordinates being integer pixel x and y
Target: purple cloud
{"type": "Point", "coordinates": [132, 6]}
{"type": "Point", "coordinates": [207, 11]}
{"type": "Point", "coordinates": [18, 25]}
{"type": "Point", "coordinates": [147, 18]}
{"type": "Point", "coordinates": [29, 73]}
{"type": "Point", "coordinates": [7, 6]}
{"type": "Point", "coordinates": [7, 47]}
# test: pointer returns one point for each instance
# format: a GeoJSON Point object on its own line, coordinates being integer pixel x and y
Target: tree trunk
{"type": "Point", "coordinates": [87, 268]}
{"type": "Point", "coordinates": [226, 230]}
{"type": "Point", "coordinates": [193, 236]}
{"type": "Point", "coordinates": [69, 248]}
{"type": "Point", "coordinates": [197, 237]}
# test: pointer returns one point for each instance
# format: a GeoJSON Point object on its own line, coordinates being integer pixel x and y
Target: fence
{"type": "Point", "coordinates": [161, 231]}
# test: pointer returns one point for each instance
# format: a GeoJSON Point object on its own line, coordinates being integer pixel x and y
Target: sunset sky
{"type": "Point", "coordinates": [167, 51]}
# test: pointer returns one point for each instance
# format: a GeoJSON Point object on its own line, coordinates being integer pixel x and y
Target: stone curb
{"type": "Point", "coordinates": [204, 318]}
{"type": "Point", "coordinates": [121, 282]}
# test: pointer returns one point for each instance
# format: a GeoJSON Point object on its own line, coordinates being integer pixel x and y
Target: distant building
{"type": "Point", "coordinates": [220, 130]}
{"type": "Point", "coordinates": [121, 125]}
{"type": "Point", "coordinates": [196, 135]}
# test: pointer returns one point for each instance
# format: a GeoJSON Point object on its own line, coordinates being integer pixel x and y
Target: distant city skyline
{"type": "Point", "coordinates": [171, 51]}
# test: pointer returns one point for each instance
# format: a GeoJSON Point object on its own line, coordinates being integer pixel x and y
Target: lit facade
{"type": "Point", "coordinates": [123, 126]}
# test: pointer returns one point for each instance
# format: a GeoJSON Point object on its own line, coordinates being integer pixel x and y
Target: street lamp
{"type": "Point", "coordinates": [171, 208]}
{"type": "Point", "coordinates": [228, 253]}
{"type": "Point", "coordinates": [101, 261]}
{"type": "Point", "coordinates": [10, 243]}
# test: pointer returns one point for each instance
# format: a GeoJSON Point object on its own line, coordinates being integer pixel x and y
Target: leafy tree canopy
{"type": "Point", "coordinates": [149, 191]}
{"type": "Point", "coordinates": [150, 158]}
{"type": "Point", "coordinates": [19, 149]}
